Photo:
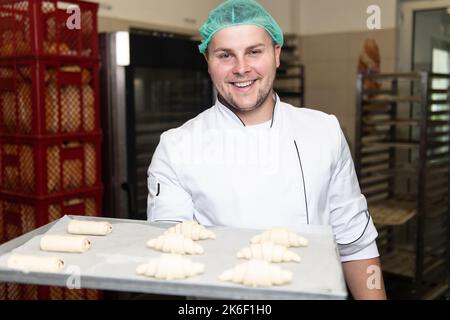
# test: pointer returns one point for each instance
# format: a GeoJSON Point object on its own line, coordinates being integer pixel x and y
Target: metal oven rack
{"type": "Point", "coordinates": [290, 78]}
{"type": "Point", "coordinates": [402, 161]}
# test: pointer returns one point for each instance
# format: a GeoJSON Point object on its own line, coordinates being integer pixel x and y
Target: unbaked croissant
{"type": "Point", "coordinates": [59, 243]}
{"type": "Point", "coordinates": [257, 273]}
{"type": "Point", "coordinates": [281, 236]}
{"type": "Point", "coordinates": [175, 243]}
{"type": "Point", "coordinates": [192, 230]}
{"type": "Point", "coordinates": [96, 228]}
{"type": "Point", "coordinates": [27, 263]}
{"type": "Point", "coordinates": [170, 267]}
{"type": "Point", "coordinates": [269, 251]}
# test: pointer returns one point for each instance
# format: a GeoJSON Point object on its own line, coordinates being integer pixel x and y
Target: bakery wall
{"type": "Point", "coordinates": [175, 15]}
{"type": "Point", "coordinates": [332, 35]}
{"type": "Point", "coordinates": [170, 15]}
{"type": "Point", "coordinates": [331, 62]}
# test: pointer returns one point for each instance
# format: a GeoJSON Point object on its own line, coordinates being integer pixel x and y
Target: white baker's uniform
{"type": "Point", "coordinates": [295, 169]}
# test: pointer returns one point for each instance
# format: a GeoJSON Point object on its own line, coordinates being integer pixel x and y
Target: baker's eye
{"type": "Point", "coordinates": [255, 52]}
{"type": "Point", "coordinates": [224, 55]}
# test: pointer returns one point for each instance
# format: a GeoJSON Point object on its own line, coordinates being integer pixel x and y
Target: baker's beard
{"type": "Point", "coordinates": [260, 99]}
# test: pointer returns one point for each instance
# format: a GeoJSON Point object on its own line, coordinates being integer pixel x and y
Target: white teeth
{"type": "Point", "coordinates": [243, 84]}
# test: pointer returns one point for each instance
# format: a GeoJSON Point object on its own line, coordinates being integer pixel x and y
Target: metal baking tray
{"type": "Point", "coordinates": [111, 262]}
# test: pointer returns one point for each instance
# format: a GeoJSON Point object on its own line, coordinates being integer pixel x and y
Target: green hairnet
{"type": "Point", "coordinates": [237, 12]}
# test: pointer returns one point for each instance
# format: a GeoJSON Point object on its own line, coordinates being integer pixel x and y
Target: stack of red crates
{"type": "Point", "coordinates": [50, 137]}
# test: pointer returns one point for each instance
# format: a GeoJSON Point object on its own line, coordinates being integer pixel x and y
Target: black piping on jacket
{"type": "Point", "coordinates": [303, 179]}
{"type": "Point", "coordinates": [364, 231]}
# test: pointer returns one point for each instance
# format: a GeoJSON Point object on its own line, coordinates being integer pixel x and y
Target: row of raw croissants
{"type": "Point", "coordinates": [269, 247]}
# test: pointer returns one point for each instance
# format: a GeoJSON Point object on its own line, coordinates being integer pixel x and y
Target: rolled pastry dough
{"type": "Point", "coordinates": [282, 236]}
{"type": "Point", "coordinates": [170, 267]}
{"type": "Point", "coordinates": [269, 251]}
{"type": "Point", "coordinates": [65, 243]}
{"type": "Point", "coordinates": [192, 230]}
{"type": "Point", "coordinates": [27, 263]}
{"type": "Point", "coordinates": [257, 273]}
{"type": "Point", "coordinates": [96, 228]}
{"type": "Point", "coordinates": [175, 243]}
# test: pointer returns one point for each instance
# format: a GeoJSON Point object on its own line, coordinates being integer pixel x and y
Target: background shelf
{"type": "Point", "coordinates": [290, 78]}
{"type": "Point", "coordinates": [402, 159]}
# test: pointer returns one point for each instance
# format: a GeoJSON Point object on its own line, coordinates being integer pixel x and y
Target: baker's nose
{"type": "Point", "coordinates": [241, 66]}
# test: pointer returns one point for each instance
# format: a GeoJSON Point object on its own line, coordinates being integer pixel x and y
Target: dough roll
{"type": "Point", "coordinates": [27, 263]}
{"type": "Point", "coordinates": [65, 243]}
{"type": "Point", "coordinates": [96, 228]}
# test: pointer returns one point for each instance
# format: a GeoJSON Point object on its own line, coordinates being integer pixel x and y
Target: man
{"type": "Point", "coordinates": [252, 161]}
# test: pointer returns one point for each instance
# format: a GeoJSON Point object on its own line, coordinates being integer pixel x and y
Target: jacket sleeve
{"type": "Point", "coordinates": [350, 219]}
{"type": "Point", "coordinates": [167, 199]}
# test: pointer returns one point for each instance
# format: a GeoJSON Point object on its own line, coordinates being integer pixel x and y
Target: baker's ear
{"type": "Point", "coordinates": [277, 49]}
{"type": "Point", "coordinates": [207, 59]}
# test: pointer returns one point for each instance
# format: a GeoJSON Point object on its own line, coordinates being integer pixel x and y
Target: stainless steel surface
{"type": "Point", "coordinates": [114, 127]}
{"type": "Point", "coordinates": [321, 260]}
{"type": "Point", "coordinates": [157, 91]}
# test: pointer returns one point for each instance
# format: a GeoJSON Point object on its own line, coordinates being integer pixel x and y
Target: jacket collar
{"type": "Point", "coordinates": [233, 119]}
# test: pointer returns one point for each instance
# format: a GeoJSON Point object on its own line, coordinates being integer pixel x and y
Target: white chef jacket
{"type": "Point", "coordinates": [295, 169]}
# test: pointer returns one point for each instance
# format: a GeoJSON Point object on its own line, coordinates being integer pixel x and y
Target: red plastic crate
{"type": "Point", "coordinates": [16, 291]}
{"type": "Point", "coordinates": [48, 28]}
{"type": "Point", "coordinates": [43, 167]}
{"type": "Point", "coordinates": [60, 293]}
{"type": "Point", "coordinates": [41, 97]}
{"type": "Point", "coordinates": [17, 219]}
{"type": "Point", "coordinates": [20, 215]}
